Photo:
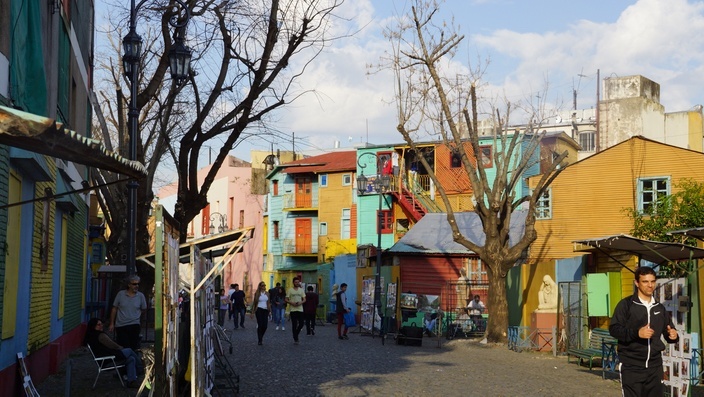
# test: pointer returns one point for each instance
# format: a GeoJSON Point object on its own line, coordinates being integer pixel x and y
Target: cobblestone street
{"type": "Point", "coordinates": [323, 365]}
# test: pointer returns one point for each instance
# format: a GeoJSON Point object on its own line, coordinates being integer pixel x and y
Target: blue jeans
{"type": "Point", "coordinates": [239, 312]}
{"type": "Point", "coordinates": [132, 364]}
{"type": "Point", "coordinates": [278, 314]}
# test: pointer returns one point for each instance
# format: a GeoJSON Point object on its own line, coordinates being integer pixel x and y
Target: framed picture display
{"type": "Point", "coordinates": [675, 371]}
{"type": "Point", "coordinates": [675, 351]}
{"type": "Point", "coordinates": [666, 373]}
{"type": "Point", "coordinates": [391, 295]}
{"type": "Point", "coordinates": [409, 301]}
{"type": "Point", "coordinates": [686, 341]}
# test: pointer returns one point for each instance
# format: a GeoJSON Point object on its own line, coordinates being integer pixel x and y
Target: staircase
{"type": "Point", "coordinates": [411, 206]}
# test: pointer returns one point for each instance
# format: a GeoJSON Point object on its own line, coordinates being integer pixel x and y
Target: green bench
{"type": "Point", "coordinates": [601, 344]}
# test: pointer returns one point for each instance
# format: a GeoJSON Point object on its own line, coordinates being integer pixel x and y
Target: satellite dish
{"type": "Point", "coordinates": [558, 119]}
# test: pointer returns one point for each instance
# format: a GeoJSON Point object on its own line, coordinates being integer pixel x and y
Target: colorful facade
{"type": "Point", "coordinates": [589, 200]}
{"type": "Point", "coordinates": [311, 219]}
{"type": "Point", "coordinates": [45, 54]}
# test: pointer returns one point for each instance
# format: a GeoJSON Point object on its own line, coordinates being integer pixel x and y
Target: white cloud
{"type": "Point", "coordinates": [653, 38]}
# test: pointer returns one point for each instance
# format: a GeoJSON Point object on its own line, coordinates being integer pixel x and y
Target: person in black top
{"type": "Point", "coordinates": [639, 322]}
{"type": "Point", "coordinates": [310, 307]}
{"type": "Point", "coordinates": [341, 308]}
{"type": "Point", "coordinates": [101, 345]}
{"type": "Point", "coordinates": [239, 305]}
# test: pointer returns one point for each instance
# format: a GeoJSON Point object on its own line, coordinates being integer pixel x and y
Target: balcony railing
{"type": "Point", "coordinates": [307, 202]}
{"type": "Point", "coordinates": [290, 247]}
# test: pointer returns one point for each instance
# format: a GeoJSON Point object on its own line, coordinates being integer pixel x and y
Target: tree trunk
{"type": "Point", "coordinates": [497, 305]}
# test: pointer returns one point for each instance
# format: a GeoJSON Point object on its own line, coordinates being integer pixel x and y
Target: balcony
{"type": "Point", "coordinates": [302, 204]}
{"type": "Point", "coordinates": [292, 248]}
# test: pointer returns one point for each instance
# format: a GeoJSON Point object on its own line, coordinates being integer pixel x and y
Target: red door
{"type": "Point", "coordinates": [303, 236]}
{"type": "Point", "coordinates": [304, 193]}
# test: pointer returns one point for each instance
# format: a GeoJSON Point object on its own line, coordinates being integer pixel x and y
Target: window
{"type": "Point", "coordinates": [346, 179]}
{"type": "Point", "coordinates": [323, 180]}
{"type": "Point", "coordinates": [587, 140]}
{"type": "Point", "coordinates": [386, 164]}
{"type": "Point", "coordinates": [275, 188]}
{"type": "Point", "coordinates": [386, 219]}
{"type": "Point", "coordinates": [543, 208]}
{"type": "Point", "coordinates": [650, 191]}
{"type": "Point", "coordinates": [241, 219]}
{"type": "Point", "coordinates": [323, 228]}
{"type": "Point", "coordinates": [204, 221]}
{"type": "Point", "coordinates": [455, 159]}
{"type": "Point", "coordinates": [276, 230]}
{"type": "Point", "coordinates": [345, 224]}
{"type": "Point", "coordinates": [486, 155]}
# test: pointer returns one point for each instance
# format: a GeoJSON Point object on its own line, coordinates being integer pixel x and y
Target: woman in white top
{"type": "Point", "coordinates": [261, 306]}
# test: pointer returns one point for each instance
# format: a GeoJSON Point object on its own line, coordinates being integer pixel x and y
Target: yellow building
{"type": "Point", "coordinates": [588, 200]}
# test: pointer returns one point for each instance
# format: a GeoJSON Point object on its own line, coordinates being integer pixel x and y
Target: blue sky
{"type": "Point", "coordinates": [528, 42]}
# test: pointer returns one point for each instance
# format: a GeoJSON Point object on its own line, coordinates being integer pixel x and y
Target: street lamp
{"type": "Point", "coordinates": [222, 225]}
{"type": "Point", "coordinates": [381, 185]}
{"type": "Point", "coordinates": [179, 60]}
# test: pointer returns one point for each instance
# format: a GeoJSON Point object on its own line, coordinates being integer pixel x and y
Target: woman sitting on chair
{"type": "Point", "coordinates": [102, 346]}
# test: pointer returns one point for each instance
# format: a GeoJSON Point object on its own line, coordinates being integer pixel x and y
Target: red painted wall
{"type": "Point", "coordinates": [42, 363]}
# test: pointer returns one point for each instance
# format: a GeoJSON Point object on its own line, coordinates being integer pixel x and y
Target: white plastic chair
{"type": "Point", "coordinates": [106, 363]}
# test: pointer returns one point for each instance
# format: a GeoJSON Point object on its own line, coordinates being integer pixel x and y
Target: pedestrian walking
{"type": "Point", "coordinates": [239, 303]}
{"type": "Point", "coordinates": [261, 305]}
{"type": "Point", "coordinates": [310, 308]}
{"type": "Point", "coordinates": [126, 315]}
{"type": "Point", "coordinates": [231, 309]}
{"type": "Point", "coordinates": [341, 308]}
{"type": "Point", "coordinates": [638, 323]}
{"type": "Point", "coordinates": [296, 297]}
{"type": "Point", "coordinates": [278, 306]}
{"type": "Point", "coordinates": [223, 308]}
{"type": "Point", "coordinates": [272, 295]}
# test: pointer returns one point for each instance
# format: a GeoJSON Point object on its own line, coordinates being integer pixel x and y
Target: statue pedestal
{"type": "Point", "coordinates": [543, 323]}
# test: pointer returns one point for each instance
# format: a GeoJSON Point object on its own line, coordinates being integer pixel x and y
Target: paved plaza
{"type": "Point", "coordinates": [323, 365]}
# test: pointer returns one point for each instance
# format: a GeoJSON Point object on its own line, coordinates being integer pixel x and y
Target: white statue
{"type": "Point", "coordinates": [547, 296]}
{"type": "Point", "coordinates": [462, 289]}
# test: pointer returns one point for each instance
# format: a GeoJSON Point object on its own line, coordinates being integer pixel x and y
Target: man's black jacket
{"type": "Point", "coordinates": [629, 316]}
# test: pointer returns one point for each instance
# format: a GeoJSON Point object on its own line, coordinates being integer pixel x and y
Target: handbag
{"type": "Point", "coordinates": [349, 320]}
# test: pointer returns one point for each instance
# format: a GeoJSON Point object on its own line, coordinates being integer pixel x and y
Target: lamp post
{"type": "Point", "coordinates": [381, 185]}
{"type": "Point", "coordinates": [222, 225]}
{"type": "Point", "coordinates": [180, 58]}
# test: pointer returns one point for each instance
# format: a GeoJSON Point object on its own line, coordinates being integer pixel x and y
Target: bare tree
{"type": "Point", "coordinates": [437, 107]}
{"type": "Point", "coordinates": [248, 56]}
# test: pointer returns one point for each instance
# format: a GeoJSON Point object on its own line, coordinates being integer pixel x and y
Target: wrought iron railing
{"type": "Point", "coordinates": [696, 369]}
{"type": "Point", "coordinates": [529, 338]}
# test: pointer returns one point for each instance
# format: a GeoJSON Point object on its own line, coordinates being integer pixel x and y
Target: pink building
{"type": "Point", "coordinates": [232, 205]}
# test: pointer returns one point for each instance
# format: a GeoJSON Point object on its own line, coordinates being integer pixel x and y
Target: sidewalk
{"type": "Point", "coordinates": [323, 365]}
{"type": "Point", "coordinates": [83, 372]}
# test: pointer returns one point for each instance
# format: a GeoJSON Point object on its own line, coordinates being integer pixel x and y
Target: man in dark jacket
{"type": "Point", "coordinates": [638, 323]}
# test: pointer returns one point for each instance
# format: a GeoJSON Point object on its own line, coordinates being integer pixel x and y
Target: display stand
{"type": "Point", "coordinates": [223, 376]}
{"type": "Point", "coordinates": [367, 306]}
{"type": "Point", "coordinates": [390, 327]}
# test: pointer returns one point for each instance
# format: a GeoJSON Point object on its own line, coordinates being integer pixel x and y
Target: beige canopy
{"type": "Point", "coordinates": [46, 136]}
